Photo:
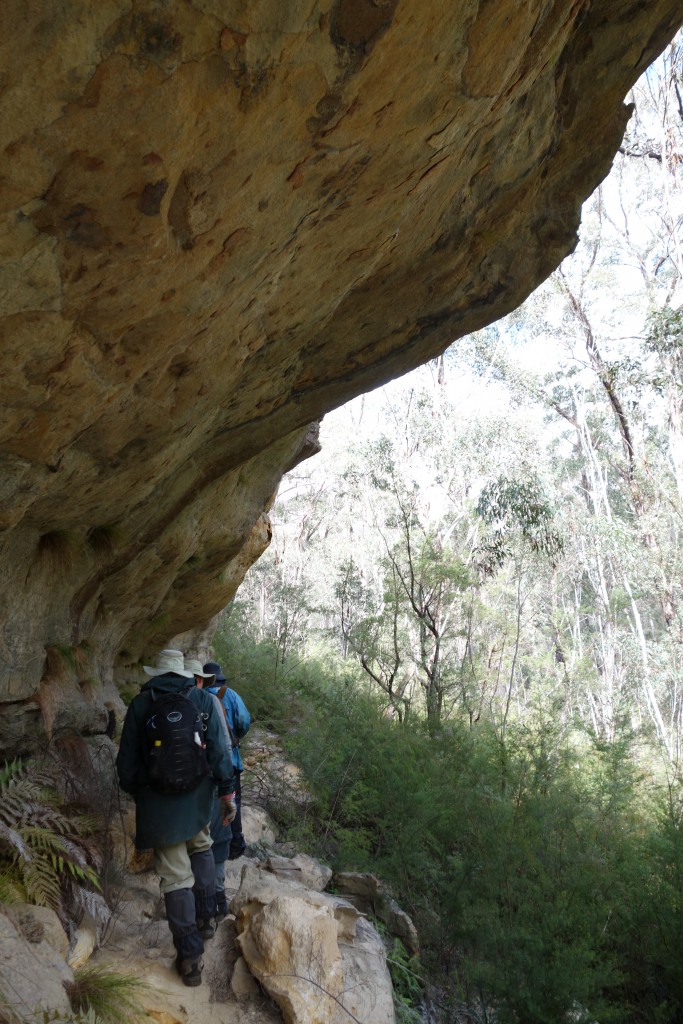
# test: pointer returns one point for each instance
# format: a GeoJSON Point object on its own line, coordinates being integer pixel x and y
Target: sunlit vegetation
{"type": "Point", "coordinates": [469, 627]}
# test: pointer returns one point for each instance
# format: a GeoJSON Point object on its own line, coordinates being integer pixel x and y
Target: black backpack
{"type": "Point", "coordinates": [175, 749]}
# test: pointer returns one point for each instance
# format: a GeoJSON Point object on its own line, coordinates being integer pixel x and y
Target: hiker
{"type": "Point", "coordinates": [228, 841]}
{"type": "Point", "coordinates": [171, 756]}
{"type": "Point", "coordinates": [204, 680]}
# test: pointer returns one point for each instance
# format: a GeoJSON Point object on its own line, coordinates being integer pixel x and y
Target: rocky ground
{"type": "Point", "coordinates": [287, 952]}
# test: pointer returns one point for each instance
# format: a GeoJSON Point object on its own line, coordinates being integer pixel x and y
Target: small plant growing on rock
{"type": "Point", "coordinates": [61, 660]}
{"type": "Point", "coordinates": [113, 997]}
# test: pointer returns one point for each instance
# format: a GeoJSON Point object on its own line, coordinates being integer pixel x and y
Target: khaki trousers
{"type": "Point", "coordinates": [172, 863]}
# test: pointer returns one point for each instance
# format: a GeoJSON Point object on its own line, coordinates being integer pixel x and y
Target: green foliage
{"type": "Point", "coordinates": [512, 508]}
{"type": "Point", "coordinates": [407, 983]}
{"type": "Point", "coordinates": [665, 331]}
{"type": "Point", "coordinates": [544, 872]}
{"type": "Point", "coordinates": [113, 997]}
{"type": "Point", "coordinates": [256, 672]}
{"type": "Point", "coordinates": [45, 857]}
{"type": "Point", "coordinates": [80, 1017]}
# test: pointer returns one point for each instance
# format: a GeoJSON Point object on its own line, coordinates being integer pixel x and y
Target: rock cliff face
{"type": "Point", "coordinates": [223, 218]}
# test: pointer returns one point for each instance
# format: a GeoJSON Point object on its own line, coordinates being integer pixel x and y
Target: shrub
{"type": "Point", "coordinates": [543, 876]}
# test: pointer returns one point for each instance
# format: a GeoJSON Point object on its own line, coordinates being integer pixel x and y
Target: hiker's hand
{"type": "Point", "coordinates": [228, 808]}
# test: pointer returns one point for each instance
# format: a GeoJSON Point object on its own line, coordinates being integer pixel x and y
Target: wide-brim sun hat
{"type": "Point", "coordinates": [169, 661]}
{"type": "Point", "coordinates": [215, 670]}
{"type": "Point", "coordinates": [195, 666]}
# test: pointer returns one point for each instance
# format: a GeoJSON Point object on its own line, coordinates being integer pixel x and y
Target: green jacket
{"type": "Point", "coordinates": [163, 819]}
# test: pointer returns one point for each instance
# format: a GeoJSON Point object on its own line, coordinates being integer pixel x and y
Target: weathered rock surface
{"type": "Point", "coordinates": [32, 966]}
{"type": "Point", "coordinates": [369, 895]}
{"type": "Point", "coordinates": [300, 868]}
{"type": "Point", "coordinates": [222, 219]}
{"type": "Point", "coordinates": [313, 953]}
{"type": "Point", "coordinates": [257, 826]}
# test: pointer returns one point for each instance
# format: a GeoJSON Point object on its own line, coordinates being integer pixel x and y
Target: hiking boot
{"type": "Point", "coordinates": [206, 926]}
{"type": "Point", "coordinates": [190, 971]}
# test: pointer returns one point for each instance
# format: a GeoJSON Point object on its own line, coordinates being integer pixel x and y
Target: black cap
{"type": "Point", "coordinates": [215, 670]}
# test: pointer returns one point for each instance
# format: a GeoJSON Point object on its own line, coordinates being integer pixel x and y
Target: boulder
{"type": "Point", "coordinates": [257, 825]}
{"type": "Point", "coordinates": [32, 973]}
{"type": "Point", "coordinates": [369, 895]}
{"type": "Point", "coordinates": [311, 952]}
{"type": "Point", "coordinates": [38, 924]}
{"type": "Point", "coordinates": [242, 982]}
{"type": "Point", "coordinates": [300, 868]}
{"type": "Point", "coordinates": [291, 946]}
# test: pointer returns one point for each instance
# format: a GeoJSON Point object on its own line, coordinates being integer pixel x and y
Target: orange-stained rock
{"type": "Point", "coordinates": [222, 219]}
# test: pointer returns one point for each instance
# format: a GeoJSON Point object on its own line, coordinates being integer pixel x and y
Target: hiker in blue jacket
{"type": "Point", "coordinates": [228, 840]}
{"type": "Point", "coordinates": [176, 824]}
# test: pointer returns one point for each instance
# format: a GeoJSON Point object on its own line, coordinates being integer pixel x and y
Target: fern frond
{"type": "Point", "coordinates": [48, 859]}
{"type": "Point", "coordinates": [90, 902]}
{"type": "Point", "coordinates": [42, 884]}
{"type": "Point", "coordinates": [12, 810]}
{"type": "Point", "coordinates": [40, 837]}
{"type": "Point", "coordinates": [12, 889]}
{"type": "Point", "coordinates": [25, 773]}
{"type": "Point", "coordinates": [15, 841]}
{"type": "Point", "coordinates": [93, 852]}
{"type": "Point", "coordinates": [20, 789]}
{"type": "Point", "coordinates": [9, 770]}
{"type": "Point", "coordinates": [85, 824]}
{"type": "Point", "coordinates": [74, 851]}
{"type": "Point", "coordinates": [82, 874]}
{"type": "Point", "coordinates": [66, 856]}
{"type": "Point", "coordinates": [44, 817]}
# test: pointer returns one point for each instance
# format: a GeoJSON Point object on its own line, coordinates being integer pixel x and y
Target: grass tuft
{"type": "Point", "coordinates": [112, 996]}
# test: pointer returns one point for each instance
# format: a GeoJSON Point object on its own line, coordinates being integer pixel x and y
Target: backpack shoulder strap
{"type": "Point", "coordinates": [221, 694]}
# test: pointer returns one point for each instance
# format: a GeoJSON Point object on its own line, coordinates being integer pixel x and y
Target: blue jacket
{"type": "Point", "coordinates": [163, 819]}
{"type": "Point", "coordinates": [239, 720]}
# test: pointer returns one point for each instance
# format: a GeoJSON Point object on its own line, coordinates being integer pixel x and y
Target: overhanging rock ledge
{"type": "Point", "coordinates": [222, 219]}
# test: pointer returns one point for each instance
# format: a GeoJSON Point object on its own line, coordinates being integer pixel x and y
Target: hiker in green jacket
{"type": "Point", "coordinates": [173, 805]}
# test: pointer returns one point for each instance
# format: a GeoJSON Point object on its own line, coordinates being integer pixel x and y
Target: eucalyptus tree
{"type": "Point", "coordinates": [611, 321]}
